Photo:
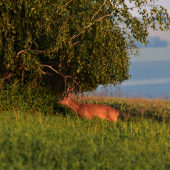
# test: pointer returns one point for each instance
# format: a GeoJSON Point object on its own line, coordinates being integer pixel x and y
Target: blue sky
{"type": "Point", "coordinates": [157, 50]}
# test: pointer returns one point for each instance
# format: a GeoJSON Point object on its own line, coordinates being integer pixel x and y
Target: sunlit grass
{"type": "Point", "coordinates": [64, 141]}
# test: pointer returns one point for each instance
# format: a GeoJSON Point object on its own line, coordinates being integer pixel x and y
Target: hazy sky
{"type": "Point", "coordinates": [146, 82]}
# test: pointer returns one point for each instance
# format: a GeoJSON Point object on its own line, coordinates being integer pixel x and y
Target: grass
{"type": "Point", "coordinates": [64, 141]}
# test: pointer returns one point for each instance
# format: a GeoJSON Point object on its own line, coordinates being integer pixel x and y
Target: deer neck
{"type": "Point", "coordinates": [73, 105]}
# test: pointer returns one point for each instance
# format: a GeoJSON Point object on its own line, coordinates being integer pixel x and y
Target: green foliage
{"type": "Point", "coordinates": [76, 42]}
{"type": "Point", "coordinates": [28, 100]}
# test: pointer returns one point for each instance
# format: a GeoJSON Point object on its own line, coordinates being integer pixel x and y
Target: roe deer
{"type": "Point", "coordinates": [90, 110]}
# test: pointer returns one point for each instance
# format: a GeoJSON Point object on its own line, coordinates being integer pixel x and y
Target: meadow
{"type": "Point", "coordinates": [36, 141]}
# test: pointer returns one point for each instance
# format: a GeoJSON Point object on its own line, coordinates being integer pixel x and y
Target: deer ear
{"type": "Point", "coordinates": [70, 95]}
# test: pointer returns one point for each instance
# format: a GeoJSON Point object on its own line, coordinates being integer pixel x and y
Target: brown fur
{"type": "Point", "coordinates": [90, 110]}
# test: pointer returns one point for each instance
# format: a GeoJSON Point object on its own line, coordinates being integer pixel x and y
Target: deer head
{"type": "Point", "coordinates": [67, 97]}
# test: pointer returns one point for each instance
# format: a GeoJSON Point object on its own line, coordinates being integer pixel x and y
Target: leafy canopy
{"type": "Point", "coordinates": [76, 43]}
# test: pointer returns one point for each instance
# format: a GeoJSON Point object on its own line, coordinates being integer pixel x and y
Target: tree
{"type": "Point", "coordinates": [77, 43]}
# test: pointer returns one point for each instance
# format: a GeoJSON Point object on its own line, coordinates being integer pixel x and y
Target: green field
{"type": "Point", "coordinates": [30, 140]}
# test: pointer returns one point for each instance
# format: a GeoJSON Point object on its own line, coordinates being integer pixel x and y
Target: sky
{"type": "Point", "coordinates": [147, 82]}
{"type": "Point", "coordinates": [157, 50]}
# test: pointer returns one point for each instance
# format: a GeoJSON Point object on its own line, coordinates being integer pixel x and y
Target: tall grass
{"type": "Point", "coordinates": [66, 142]}
{"type": "Point", "coordinates": [38, 134]}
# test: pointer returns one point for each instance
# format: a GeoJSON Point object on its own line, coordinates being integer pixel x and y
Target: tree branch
{"type": "Point", "coordinates": [144, 5]}
{"type": "Point", "coordinates": [98, 10]}
{"type": "Point", "coordinates": [75, 43]}
{"type": "Point", "coordinates": [37, 52]}
{"type": "Point", "coordinates": [20, 52]}
{"type": "Point", "coordinates": [64, 5]}
{"type": "Point", "coordinates": [65, 77]}
{"type": "Point", "coordinates": [74, 36]}
{"type": "Point", "coordinates": [54, 70]}
{"type": "Point", "coordinates": [45, 73]}
{"type": "Point", "coordinates": [35, 39]}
